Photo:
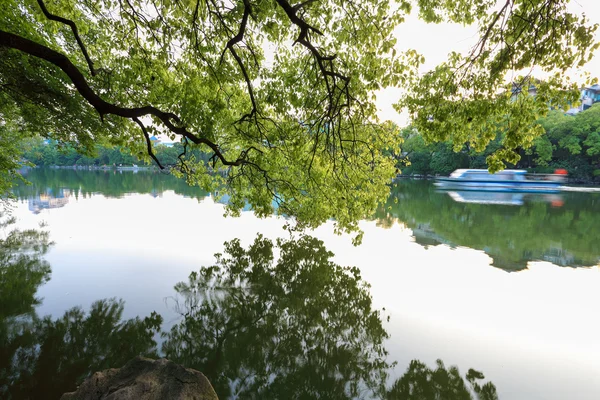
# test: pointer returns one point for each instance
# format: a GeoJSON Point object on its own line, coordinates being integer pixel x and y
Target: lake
{"type": "Point", "coordinates": [507, 284]}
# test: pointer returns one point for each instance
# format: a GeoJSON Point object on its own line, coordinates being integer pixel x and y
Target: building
{"type": "Point", "coordinates": [589, 96]}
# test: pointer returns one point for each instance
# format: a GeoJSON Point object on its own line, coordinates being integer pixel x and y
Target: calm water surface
{"type": "Point", "coordinates": [506, 284]}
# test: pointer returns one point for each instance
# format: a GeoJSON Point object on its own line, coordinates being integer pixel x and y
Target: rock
{"type": "Point", "coordinates": [145, 379]}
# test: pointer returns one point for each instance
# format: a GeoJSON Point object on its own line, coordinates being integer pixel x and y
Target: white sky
{"type": "Point", "coordinates": [435, 41]}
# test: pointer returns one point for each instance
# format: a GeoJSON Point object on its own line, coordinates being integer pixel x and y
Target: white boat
{"type": "Point", "coordinates": [508, 180]}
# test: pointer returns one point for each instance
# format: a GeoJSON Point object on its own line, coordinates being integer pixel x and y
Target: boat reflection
{"type": "Point", "coordinates": [504, 198]}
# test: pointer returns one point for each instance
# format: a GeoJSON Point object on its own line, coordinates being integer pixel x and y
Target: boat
{"type": "Point", "coordinates": [508, 180]}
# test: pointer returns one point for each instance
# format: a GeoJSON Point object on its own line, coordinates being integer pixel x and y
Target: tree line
{"type": "Point", "coordinates": [569, 142]}
{"type": "Point", "coordinates": [42, 153]}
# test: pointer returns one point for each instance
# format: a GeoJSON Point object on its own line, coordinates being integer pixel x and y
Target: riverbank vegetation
{"type": "Point", "coordinates": [569, 142]}
{"type": "Point", "coordinates": [45, 153]}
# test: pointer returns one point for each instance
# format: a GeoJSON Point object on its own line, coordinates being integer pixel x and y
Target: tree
{"type": "Point", "coordinates": [281, 95]}
{"type": "Point", "coordinates": [11, 150]}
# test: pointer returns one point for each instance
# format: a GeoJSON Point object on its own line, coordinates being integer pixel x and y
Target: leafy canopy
{"type": "Point", "coordinates": [472, 96]}
{"type": "Point", "coordinates": [279, 95]}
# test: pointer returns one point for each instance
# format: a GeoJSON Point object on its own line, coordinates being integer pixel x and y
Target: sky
{"type": "Point", "coordinates": [435, 41]}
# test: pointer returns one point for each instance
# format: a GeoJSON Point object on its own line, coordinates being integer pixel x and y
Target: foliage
{"type": "Point", "coordinates": [42, 153]}
{"type": "Point", "coordinates": [296, 124]}
{"type": "Point", "coordinates": [11, 149]}
{"type": "Point", "coordinates": [280, 96]}
{"type": "Point", "coordinates": [467, 99]}
{"type": "Point", "coordinates": [422, 383]}
{"type": "Point", "coordinates": [569, 142]}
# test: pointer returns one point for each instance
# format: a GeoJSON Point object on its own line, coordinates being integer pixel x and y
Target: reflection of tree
{"type": "Point", "coordinates": [108, 183]}
{"type": "Point", "coordinates": [300, 326]}
{"type": "Point", "coordinates": [42, 357]}
{"type": "Point", "coordinates": [296, 327]}
{"type": "Point", "coordinates": [422, 383]}
{"type": "Point", "coordinates": [511, 235]}
{"type": "Point", "coordinates": [22, 268]}
{"type": "Point", "coordinates": [51, 357]}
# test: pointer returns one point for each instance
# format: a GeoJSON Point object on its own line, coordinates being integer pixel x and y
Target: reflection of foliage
{"type": "Point", "coordinates": [49, 357]}
{"type": "Point", "coordinates": [510, 235]}
{"type": "Point", "coordinates": [422, 383]}
{"type": "Point", "coordinates": [298, 326]}
{"type": "Point", "coordinates": [22, 268]}
{"type": "Point", "coordinates": [108, 183]}
{"type": "Point", "coordinates": [42, 357]}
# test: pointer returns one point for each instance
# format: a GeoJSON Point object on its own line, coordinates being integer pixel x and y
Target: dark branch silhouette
{"type": "Point", "coordinates": [148, 142]}
{"type": "Point", "coordinates": [103, 107]}
{"type": "Point", "coordinates": [75, 33]}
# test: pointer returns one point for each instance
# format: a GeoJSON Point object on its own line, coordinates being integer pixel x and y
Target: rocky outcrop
{"type": "Point", "coordinates": [145, 379]}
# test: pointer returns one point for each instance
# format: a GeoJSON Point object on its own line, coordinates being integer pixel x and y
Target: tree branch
{"type": "Point", "coordinates": [233, 41]}
{"type": "Point", "coordinates": [75, 33]}
{"type": "Point", "coordinates": [148, 142]}
{"type": "Point", "coordinates": [103, 107]}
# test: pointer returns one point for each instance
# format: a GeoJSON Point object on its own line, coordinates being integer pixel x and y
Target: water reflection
{"type": "Point", "coordinates": [44, 201]}
{"type": "Point", "coordinates": [41, 357]}
{"type": "Point", "coordinates": [504, 198]}
{"type": "Point", "coordinates": [51, 183]}
{"type": "Point", "coordinates": [422, 383]}
{"type": "Point", "coordinates": [275, 320]}
{"type": "Point", "coordinates": [295, 326]}
{"type": "Point", "coordinates": [562, 230]}
{"type": "Point", "coordinates": [559, 228]}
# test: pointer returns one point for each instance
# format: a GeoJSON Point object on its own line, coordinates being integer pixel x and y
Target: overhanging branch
{"type": "Point", "coordinates": [75, 33]}
{"type": "Point", "coordinates": [148, 142]}
{"type": "Point", "coordinates": [103, 107]}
